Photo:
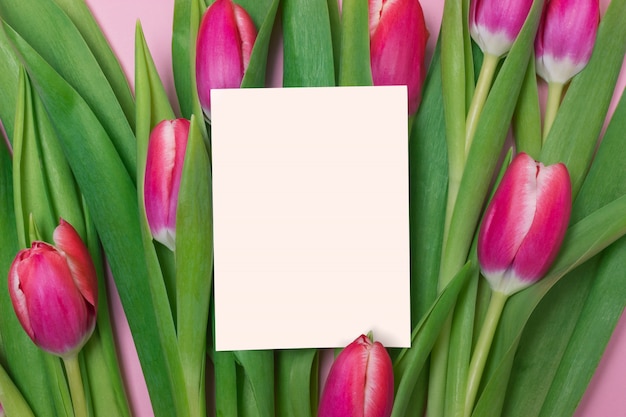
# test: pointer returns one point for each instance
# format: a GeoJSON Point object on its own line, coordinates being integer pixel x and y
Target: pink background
{"type": "Point", "coordinates": [605, 395]}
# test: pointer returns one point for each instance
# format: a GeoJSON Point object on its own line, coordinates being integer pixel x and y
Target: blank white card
{"type": "Point", "coordinates": [311, 219]}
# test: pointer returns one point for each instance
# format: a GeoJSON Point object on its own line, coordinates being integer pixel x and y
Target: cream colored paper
{"type": "Point", "coordinates": [311, 222]}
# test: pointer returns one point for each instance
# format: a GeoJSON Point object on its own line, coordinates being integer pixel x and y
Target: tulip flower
{"type": "Point", "coordinates": [565, 39]}
{"type": "Point", "coordinates": [164, 166]}
{"type": "Point", "coordinates": [54, 292]}
{"type": "Point", "coordinates": [360, 382]}
{"type": "Point", "coordinates": [524, 224]}
{"type": "Point", "coordinates": [224, 45]}
{"type": "Point", "coordinates": [398, 37]}
{"type": "Point", "coordinates": [563, 46]}
{"type": "Point", "coordinates": [495, 24]}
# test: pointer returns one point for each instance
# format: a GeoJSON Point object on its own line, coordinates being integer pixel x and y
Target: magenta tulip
{"type": "Point", "coordinates": [495, 24]}
{"type": "Point", "coordinates": [398, 37]}
{"type": "Point", "coordinates": [564, 42]}
{"type": "Point", "coordinates": [224, 45]}
{"type": "Point", "coordinates": [360, 382]}
{"type": "Point", "coordinates": [54, 291]}
{"type": "Point", "coordinates": [524, 224]}
{"type": "Point", "coordinates": [164, 168]}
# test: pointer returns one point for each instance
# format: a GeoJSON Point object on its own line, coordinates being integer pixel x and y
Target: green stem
{"type": "Point", "coordinates": [483, 346]}
{"type": "Point", "coordinates": [485, 78]}
{"type": "Point", "coordinates": [555, 91]}
{"type": "Point", "coordinates": [72, 368]}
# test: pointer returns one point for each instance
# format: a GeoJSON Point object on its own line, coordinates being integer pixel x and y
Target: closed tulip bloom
{"type": "Point", "coordinates": [54, 291]}
{"type": "Point", "coordinates": [224, 45]}
{"type": "Point", "coordinates": [164, 167]}
{"type": "Point", "coordinates": [360, 382]}
{"type": "Point", "coordinates": [524, 224]}
{"type": "Point", "coordinates": [495, 24]}
{"type": "Point", "coordinates": [565, 39]}
{"type": "Point", "coordinates": [398, 37]}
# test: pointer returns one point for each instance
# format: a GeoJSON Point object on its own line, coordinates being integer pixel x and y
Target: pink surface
{"type": "Point", "coordinates": [605, 395]}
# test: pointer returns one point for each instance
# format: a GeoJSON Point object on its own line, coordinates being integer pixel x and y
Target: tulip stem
{"type": "Point", "coordinates": [555, 91]}
{"type": "Point", "coordinates": [72, 369]}
{"type": "Point", "coordinates": [485, 78]}
{"type": "Point", "coordinates": [483, 346]}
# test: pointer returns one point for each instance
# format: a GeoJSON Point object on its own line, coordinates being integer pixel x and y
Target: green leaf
{"type": "Point", "coordinates": [257, 397]}
{"type": "Point", "coordinates": [354, 65]}
{"type": "Point", "coordinates": [428, 176]}
{"type": "Point", "coordinates": [91, 32]}
{"type": "Point", "coordinates": [194, 266]}
{"type": "Point", "coordinates": [11, 399]}
{"type": "Point", "coordinates": [58, 42]}
{"type": "Point", "coordinates": [255, 73]}
{"type": "Point", "coordinates": [9, 70]}
{"type": "Point", "coordinates": [297, 382]}
{"type": "Point", "coordinates": [574, 134]}
{"type": "Point", "coordinates": [408, 365]}
{"type": "Point", "coordinates": [308, 56]}
{"type": "Point", "coordinates": [527, 116]}
{"type": "Point", "coordinates": [184, 32]}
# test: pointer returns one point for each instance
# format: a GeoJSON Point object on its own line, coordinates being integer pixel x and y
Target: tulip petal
{"type": "Point", "coordinates": [508, 217]}
{"type": "Point", "coordinates": [543, 240]}
{"type": "Point", "coordinates": [69, 243]}
{"type": "Point", "coordinates": [166, 154]}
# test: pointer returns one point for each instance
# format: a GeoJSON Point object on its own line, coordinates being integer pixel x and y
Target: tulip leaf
{"type": "Point", "coordinates": [225, 377]}
{"type": "Point", "coordinates": [297, 382]}
{"type": "Point", "coordinates": [83, 19]}
{"type": "Point", "coordinates": [255, 73]}
{"type": "Point", "coordinates": [9, 70]}
{"type": "Point", "coordinates": [527, 116]}
{"type": "Point", "coordinates": [256, 382]}
{"type": "Point", "coordinates": [408, 365]}
{"type": "Point", "coordinates": [11, 399]}
{"type": "Point", "coordinates": [574, 134]}
{"type": "Point", "coordinates": [32, 197]}
{"type": "Point", "coordinates": [354, 64]}
{"type": "Point", "coordinates": [58, 42]}
{"type": "Point", "coordinates": [111, 197]}
{"type": "Point", "coordinates": [187, 15]}
{"type": "Point", "coordinates": [428, 176]}
{"type": "Point", "coordinates": [335, 33]}
{"type": "Point", "coordinates": [308, 57]}
{"type": "Point", "coordinates": [194, 265]}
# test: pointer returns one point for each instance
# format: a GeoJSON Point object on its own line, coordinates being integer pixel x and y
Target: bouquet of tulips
{"type": "Point", "coordinates": [517, 205]}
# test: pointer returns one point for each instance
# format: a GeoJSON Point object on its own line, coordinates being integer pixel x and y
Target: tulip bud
{"type": "Point", "coordinates": [164, 167]}
{"type": "Point", "coordinates": [225, 40]}
{"type": "Point", "coordinates": [565, 39]}
{"type": "Point", "coordinates": [360, 382]}
{"type": "Point", "coordinates": [398, 37]}
{"type": "Point", "coordinates": [495, 24]}
{"type": "Point", "coordinates": [54, 291]}
{"type": "Point", "coordinates": [524, 224]}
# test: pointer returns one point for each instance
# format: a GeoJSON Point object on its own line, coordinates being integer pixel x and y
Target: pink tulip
{"type": "Point", "coordinates": [524, 224]}
{"type": "Point", "coordinates": [54, 291]}
{"type": "Point", "coordinates": [225, 40]}
{"type": "Point", "coordinates": [360, 382]}
{"type": "Point", "coordinates": [564, 42]}
{"type": "Point", "coordinates": [398, 37]}
{"type": "Point", "coordinates": [164, 167]}
{"type": "Point", "coordinates": [495, 24]}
